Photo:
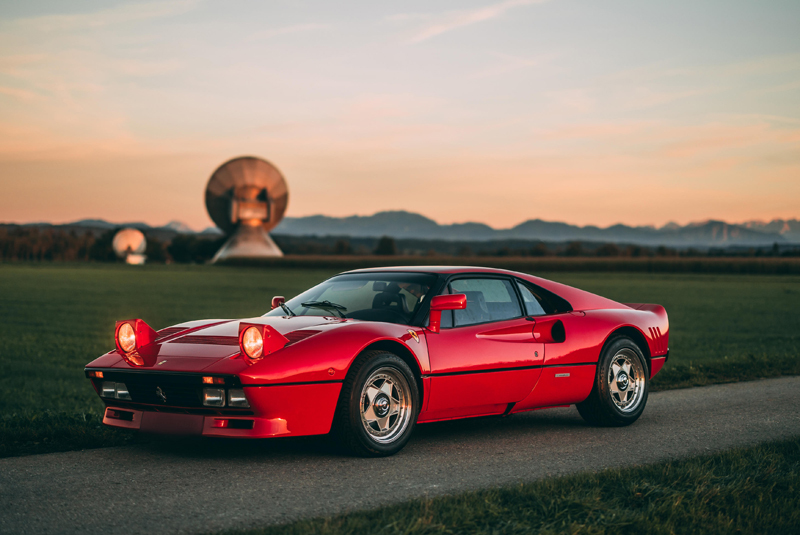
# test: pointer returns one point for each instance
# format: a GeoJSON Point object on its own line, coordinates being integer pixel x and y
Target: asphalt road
{"type": "Point", "coordinates": [190, 486]}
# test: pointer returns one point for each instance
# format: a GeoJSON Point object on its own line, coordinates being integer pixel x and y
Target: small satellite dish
{"type": "Point", "coordinates": [130, 244]}
{"type": "Point", "coordinates": [246, 197]}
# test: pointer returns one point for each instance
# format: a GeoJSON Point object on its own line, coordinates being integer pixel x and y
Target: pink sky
{"type": "Point", "coordinates": [472, 111]}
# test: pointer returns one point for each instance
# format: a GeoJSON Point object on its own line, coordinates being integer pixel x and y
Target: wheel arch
{"type": "Point", "coordinates": [404, 353]}
{"type": "Point", "coordinates": [637, 336]}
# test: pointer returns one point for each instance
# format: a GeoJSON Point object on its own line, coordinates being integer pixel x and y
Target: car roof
{"type": "Point", "coordinates": [579, 299]}
{"type": "Point", "coordinates": [447, 270]}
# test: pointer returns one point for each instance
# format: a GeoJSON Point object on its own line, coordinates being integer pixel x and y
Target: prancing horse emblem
{"type": "Point", "coordinates": [413, 335]}
{"type": "Point", "coordinates": [160, 393]}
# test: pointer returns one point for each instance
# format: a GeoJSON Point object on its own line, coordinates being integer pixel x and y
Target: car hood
{"type": "Point", "coordinates": [195, 346]}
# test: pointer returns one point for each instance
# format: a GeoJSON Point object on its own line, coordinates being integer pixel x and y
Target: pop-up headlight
{"type": "Point", "coordinates": [257, 340]}
{"type": "Point", "coordinates": [130, 336]}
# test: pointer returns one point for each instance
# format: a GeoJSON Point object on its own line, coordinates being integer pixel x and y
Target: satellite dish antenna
{"type": "Point", "coordinates": [130, 244]}
{"type": "Point", "coordinates": [246, 197]}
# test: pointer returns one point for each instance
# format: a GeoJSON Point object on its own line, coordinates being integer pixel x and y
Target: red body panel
{"type": "Point", "coordinates": [559, 385]}
{"type": "Point", "coordinates": [484, 365]}
{"type": "Point", "coordinates": [491, 368]}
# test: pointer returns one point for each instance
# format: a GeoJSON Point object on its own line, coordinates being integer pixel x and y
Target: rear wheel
{"type": "Point", "coordinates": [378, 405]}
{"type": "Point", "coordinates": [621, 385]}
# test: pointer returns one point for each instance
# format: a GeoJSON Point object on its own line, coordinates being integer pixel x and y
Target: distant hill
{"type": "Point", "coordinates": [788, 228]}
{"type": "Point", "coordinates": [409, 225]}
{"type": "Point", "coordinates": [404, 225]}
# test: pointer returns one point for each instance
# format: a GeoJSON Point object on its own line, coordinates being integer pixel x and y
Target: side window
{"type": "Point", "coordinates": [487, 300]}
{"type": "Point", "coordinates": [532, 305]}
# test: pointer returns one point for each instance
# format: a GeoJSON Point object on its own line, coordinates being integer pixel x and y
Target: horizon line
{"type": "Point", "coordinates": [212, 226]}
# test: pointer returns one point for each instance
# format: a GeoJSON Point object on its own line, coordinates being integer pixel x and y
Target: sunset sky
{"type": "Point", "coordinates": [584, 112]}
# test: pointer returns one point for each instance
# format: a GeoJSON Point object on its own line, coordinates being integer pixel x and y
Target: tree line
{"type": "Point", "coordinates": [28, 243]}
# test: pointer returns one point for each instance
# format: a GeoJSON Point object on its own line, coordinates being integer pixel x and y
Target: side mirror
{"type": "Point", "coordinates": [549, 331]}
{"type": "Point", "coordinates": [444, 302]}
{"type": "Point", "coordinates": [277, 301]}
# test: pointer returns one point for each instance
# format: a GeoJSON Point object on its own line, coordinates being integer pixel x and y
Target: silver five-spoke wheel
{"type": "Point", "coordinates": [385, 405]}
{"type": "Point", "coordinates": [378, 405]}
{"type": "Point", "coordinates": [626, 380]}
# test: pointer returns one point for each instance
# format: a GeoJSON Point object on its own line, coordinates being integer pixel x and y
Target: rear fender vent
{"type": "Point", "coordinates": [208, 340]}
{"type": "Point", "coordinates": [658, 340]}
{"type": "Point", "coordinates": [297, 336]}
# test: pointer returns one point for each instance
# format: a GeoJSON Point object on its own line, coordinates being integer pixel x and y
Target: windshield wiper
{"type": "Point", "coordinates": [288, 310]}
{"type": "Point", "coordinates": [326, 305]}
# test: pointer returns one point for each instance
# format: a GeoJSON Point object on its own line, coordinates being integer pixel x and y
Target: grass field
{"type": "Point", "coordinates": [549, 264]}
{"type": "Point", "coordinates": [56, 318]}
{"type": "Point", "coordinates": [753, 490]}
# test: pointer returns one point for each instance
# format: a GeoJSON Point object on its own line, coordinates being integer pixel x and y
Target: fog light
{"type": "Point", "coordinates": [109, 389]}
{"type": "Point", "coordinates": [114, 390]}
{"type": "Point", "coordinates": [236, 398]}
{"type": "Point", "coordinates": [121, 391]}
{"type": "Point", "coordinates": [214, 397]}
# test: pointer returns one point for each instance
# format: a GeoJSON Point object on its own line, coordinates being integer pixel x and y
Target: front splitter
{"type": "Point", "coordinates": [167, 423]}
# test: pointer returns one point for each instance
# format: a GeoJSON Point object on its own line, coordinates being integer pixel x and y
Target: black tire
{"type": "Point", "coordinates": [621, 403]}
{"type": "Point", "coordinates": [353, 428]}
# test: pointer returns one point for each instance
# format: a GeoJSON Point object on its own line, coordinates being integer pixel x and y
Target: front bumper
{"type": "Point", "coordinates": [287, 409]}
{"type": "Point", "coordinates": [168, 423]}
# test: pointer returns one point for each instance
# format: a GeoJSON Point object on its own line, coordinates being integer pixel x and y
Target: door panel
{"type": "Point", "coordinates": [569, 367]}
{"type": "Point", "coordinates": [560, 385]}
{"type": "Point", "coordinates": [479, 366]}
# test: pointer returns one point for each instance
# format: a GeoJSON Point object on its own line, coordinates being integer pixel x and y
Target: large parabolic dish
{"type": "Point", "coordinates": [246, 197]}
{"type": "Point", "coordinates": [130, 245]}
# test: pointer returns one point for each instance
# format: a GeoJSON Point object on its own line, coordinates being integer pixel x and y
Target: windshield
{"type": "Point", "coordinates": [388, 297]}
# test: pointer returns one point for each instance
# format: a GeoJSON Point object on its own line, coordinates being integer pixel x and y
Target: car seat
{"type": "Point", "coordinates": [476, 311]}
{"type": "Point", "coordinates": [393, 301]}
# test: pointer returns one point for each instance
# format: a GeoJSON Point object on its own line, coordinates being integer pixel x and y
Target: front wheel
{"type": "Point", "coordinates": [378, 406]}
{"type": "Point", "coordinates": [621, 386]}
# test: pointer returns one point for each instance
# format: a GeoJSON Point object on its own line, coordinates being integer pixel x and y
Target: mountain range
{"type": "Point", "coordinates": [401, 224]}
{"type": "Point", "coordinates": [409, 225]}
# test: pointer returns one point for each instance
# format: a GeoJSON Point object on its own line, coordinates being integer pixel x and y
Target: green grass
{"type": "Point", "coordinates": [541, 264]}
{"type": "Point", "coordinates": [55, 318]}
{"type": "Point", "coordinates": [753, 490]}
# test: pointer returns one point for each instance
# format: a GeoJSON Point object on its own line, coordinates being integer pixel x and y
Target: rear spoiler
{"type": "Point", "coordinates": [656, 309]}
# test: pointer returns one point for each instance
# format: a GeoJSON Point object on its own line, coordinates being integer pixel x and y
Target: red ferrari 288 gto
{"type": "Point", "coordinates": [368, 354]}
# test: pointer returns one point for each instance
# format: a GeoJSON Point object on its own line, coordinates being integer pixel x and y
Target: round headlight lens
{"type": "Point", "coordinates": [126, 337]}
{"type": "Point", "coordinates": [253, 342]}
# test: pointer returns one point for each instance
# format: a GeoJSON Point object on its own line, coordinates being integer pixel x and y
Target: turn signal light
{"type": "Point", "coordinates": [213, 380]}
{"type": "Point", "coordinates": [96, 375]}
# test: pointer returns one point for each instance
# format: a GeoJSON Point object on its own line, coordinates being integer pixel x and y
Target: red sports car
{"type": "Point", "coordinates": [368, 354]}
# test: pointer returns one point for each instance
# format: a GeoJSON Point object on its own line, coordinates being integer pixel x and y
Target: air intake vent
{"type": "Point", "coordinates": [658, 339]}
{"type": "Point", "coordinates": [297, 336]}
{"type": "Point", "coordinates": [209, 340]}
